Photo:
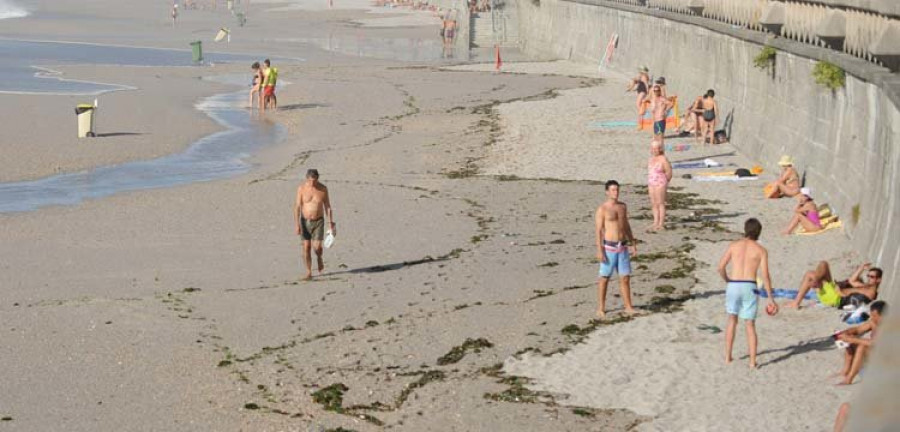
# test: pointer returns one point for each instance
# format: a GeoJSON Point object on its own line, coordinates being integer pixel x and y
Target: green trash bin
{"type": "Point", "coordinates": [85, 115]}
{"type": "Point", "coordinates": [197, 51]}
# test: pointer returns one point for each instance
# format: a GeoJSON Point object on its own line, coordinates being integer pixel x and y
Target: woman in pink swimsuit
{"type": "Point", "coordinates": [659, 173]}
{"type": "Point", "coordinates": [806, 214]}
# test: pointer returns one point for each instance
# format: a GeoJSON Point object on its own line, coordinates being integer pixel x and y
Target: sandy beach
{"type": "Point", "coordinates": [460, 293]}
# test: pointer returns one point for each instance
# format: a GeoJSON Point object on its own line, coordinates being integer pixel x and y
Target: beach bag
{"type": "Point", "coordinates": [329, 239]}
{"type": "Point", "coordinates": [771, 191]}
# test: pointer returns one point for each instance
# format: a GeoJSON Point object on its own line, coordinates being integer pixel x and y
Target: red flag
{"type": "Point", "coordinates": [498, 61]}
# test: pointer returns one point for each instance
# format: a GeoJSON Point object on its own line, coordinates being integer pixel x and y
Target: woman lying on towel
{"type": "Point", "coordinates": [806, 214]}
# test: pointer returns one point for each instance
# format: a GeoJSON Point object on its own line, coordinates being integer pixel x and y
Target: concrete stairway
{"type": "Point", "coordinates": [502, 28]}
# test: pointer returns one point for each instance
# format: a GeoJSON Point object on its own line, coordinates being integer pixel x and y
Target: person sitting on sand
{"type": "Point", "coordinates": [640, 84]}
{"type": "Point", "coordinates": [855, 354]}
{"type": "Point", "coordinates": [747, 257]}
{"type": "Point", "coordinates": [806, 214]}
{"type": "Point", "coordinates": [690, 123]}
{"type": "Point", "coordinates": [614, 242]}
{"type": "Point", "coordinates": [659, 107]}
{"type": "Point", "coordinates": [788, 183]}
{"type": "Point", "coordinates": [312, 205]}
{"type": "Point", "coordinates": [838, 294]}
{"type": "Point", "coordinates": [659, 174]}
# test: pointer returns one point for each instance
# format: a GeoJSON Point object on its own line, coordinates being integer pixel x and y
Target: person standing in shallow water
{"type": "Point", "coordinates": [747, 257]}
{"type": "Point", "coordinates": [312, 205]}
{"type": "Point", "coordinates": [614, 242]}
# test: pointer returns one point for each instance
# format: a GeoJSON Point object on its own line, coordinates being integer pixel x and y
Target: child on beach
{"type": "Point", "coordinates": [270, 78]}
{"type": "Point", "coordinates": [659, 174]}
{"type": "Point", "coordinates": [747, 258]}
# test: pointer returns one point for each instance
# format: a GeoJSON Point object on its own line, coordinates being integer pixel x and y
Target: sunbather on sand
{"type": "Point", "coordinates": [858, 351]}
{"type": "Point", "coordinates": [788, 184]}
{"type": "Point", "coordinates": [806, 214]}
{"type": "Point", "coordinates": [837, 294]}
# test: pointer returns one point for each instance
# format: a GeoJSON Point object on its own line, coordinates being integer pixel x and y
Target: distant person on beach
{"type": "Point", "coordinates": [659, 107]}
{"type": "Point", "coordinates": [641, 85]}
{"type": "Point", "coordinates": [313, 204]}
{"type": "Point", "coordinates": [788, 183]}
{"type": "Point", "coordinates": [270, 78]}
{"type": "Point", "coordinates": [659, 174]}
{"type": "Point", "coordinates": [709, 113]}
{"type": "Point", "coordinates": [256, 87]}
{"type": "Point", "coordinates": [839, 294]}
{"type": "Point", "coordinates": [614, 242]}
{"type": "Point", "coordinates": [858, 350]}
{"type": "Point", "coordinates": [806, 214]}
{"type": "Point", "coordinates": [747, 258]}
{"type": "Point", "coordinates": [174, 13]}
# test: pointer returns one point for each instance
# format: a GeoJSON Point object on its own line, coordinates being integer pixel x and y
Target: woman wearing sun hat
{"type": "Point", "coordinates": [788, 183]}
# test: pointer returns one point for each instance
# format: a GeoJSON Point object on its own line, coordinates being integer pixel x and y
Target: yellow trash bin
{"type": "Point", "coordinates": [85, 114]}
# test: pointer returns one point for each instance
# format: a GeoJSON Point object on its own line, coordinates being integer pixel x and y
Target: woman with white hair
{"type": "Point", "coordinates": [659, 174]}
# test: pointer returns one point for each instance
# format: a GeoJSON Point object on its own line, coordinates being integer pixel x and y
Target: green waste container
{"type": "Point", "coordinates": [85, 115]}
{"type": "Point", "coordinates": [197, 51]}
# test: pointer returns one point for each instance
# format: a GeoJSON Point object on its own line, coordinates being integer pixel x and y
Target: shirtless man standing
{"type": "Point", "coordinates": [659, 107]}
{"type": "Point", "coordinates": [746, 257]}
{"type": "Point", "coordinates": [312, 206]}
{"type": "Point", "coordinates": [614, 242]}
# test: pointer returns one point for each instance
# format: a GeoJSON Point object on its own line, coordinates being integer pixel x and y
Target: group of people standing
{"type": "Point", "coordinates": [265, 78]}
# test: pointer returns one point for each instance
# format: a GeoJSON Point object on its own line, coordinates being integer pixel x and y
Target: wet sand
{"type": "Point", "coordinates": [453, 274]}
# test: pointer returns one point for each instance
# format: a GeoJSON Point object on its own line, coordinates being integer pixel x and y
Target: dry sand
{"type": "Point", "coordinates": [179, 308]}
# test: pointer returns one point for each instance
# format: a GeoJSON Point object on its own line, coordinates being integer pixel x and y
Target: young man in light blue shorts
{"type": "Point", "coordinates": [746, 257]}
{"type": "Point", "coordinates": [614, 239]}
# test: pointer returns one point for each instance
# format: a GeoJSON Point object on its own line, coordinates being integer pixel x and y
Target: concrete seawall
{"type": "Point", "coordinates": [844, 142]}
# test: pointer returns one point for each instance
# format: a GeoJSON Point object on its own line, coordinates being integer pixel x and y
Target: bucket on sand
{"type": "Point", "coordinates": [197, 51]}
{"type": "Point", "coordinates": [85, 115]}
{"type": "Point", "coordinates": [223, 33]}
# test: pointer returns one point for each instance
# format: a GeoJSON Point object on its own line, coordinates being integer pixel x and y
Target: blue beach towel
{"type": "Point", "coordinates": [688, 165]}
{"type": "Point", "coordinates": [787, 293]}
{"type": "Point", "coordinates": [611, 124]}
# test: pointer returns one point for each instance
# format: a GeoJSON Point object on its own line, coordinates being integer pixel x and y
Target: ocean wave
{"type": "Point", "coordinates": [10, 10]}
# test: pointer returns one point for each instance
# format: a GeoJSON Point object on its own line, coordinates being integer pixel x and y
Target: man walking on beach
{"type": "Point", "coordinates": [747, 257]}
{"type": "Point", "coordinates": [614, 241]}
{"type": "Point", "coordinates": [312, 206]}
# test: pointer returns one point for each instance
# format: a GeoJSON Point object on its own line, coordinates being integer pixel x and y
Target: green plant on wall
{"type": "Point", "coordinates": [765, 60]}
{"type": "Point", "coordinates": [829, 75]}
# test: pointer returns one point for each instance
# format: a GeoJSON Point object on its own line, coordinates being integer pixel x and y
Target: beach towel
{"type": "Point", "coordinates": [705, 163]}
{"type": "Point", "coordinates": [731, 178]}
{"type": "Point", "coordinates": [612, 124]}
{"type": "Point", "coordinates": [828, 224]}
{"type": "Point", "coordinates": [672, 119]}
{"type": "Point", "coordinates": [677, 147]}
{"type": "Point", "coordinates": [786, 293]}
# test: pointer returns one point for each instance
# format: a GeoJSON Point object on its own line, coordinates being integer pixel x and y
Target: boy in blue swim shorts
{"type": "Point", "coordinates": [747, 257]}
{"type": "Point", "coordinates": [615, 243]}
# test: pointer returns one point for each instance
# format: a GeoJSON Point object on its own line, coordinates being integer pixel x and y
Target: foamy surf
{"type": "Point", "coordinates": [10, 10]}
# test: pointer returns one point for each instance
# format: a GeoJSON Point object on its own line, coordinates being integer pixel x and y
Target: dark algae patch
{"type": "Point", "coordinates": [458, 352]}
{"type": "Point", "coordinates": [331, 397]}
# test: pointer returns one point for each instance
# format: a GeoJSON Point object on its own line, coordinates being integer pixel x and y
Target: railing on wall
{"type": "Point", "coordinates": [856, 29]}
